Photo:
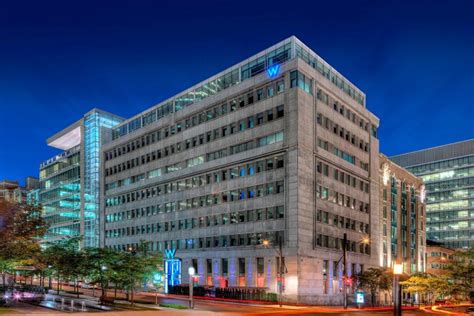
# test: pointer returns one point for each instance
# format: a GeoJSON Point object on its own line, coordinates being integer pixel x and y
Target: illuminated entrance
{"type": "Point", "coordinates": [172, 269]}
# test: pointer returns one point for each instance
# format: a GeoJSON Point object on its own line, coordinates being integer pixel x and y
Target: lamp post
{"type": "Point", "coordinates": [191, 272]}
{"type": "Point", "coordinates": [397, 306]}
{"type": "Point", "coordinates": [281, 267]}
{"type": "Point", "coordinates": [364, 241]}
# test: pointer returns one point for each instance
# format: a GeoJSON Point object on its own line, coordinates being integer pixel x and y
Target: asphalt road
{"type": "Point", "coordinates": [208, 307]}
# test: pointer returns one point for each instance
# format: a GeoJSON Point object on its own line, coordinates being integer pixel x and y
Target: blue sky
{"type": "Point", "coordinates": [58, 59]}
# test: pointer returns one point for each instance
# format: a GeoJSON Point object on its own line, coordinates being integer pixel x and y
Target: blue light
{"type": "Point", "coordinates": [172, 273]}
{"type": "Point", "coordinates": [273, 70]}
{"type": "Point", "coordinates": [169, 253]}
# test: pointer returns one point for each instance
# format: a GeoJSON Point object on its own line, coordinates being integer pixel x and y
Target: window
{"type": "Point", "coordinates": [280, 111]}
{"type": "Point", "coordinates": [298, 79]}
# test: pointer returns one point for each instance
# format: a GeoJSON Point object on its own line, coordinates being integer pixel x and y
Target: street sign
{"type": "Point", "coordinates": [360, 297]}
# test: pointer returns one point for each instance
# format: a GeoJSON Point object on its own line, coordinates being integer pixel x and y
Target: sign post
{"type": "Point", "coordinates": [191, 273]}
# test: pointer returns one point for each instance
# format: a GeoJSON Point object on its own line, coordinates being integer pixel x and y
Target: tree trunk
{"type": "Point", "coordinates": [132, 295]}
{"type": "Point", "coordinates": [4, 278]}
{"type": "Point", "coordinates": [57, 286]}
{"type": "Point", "coordinates": [115, 295]}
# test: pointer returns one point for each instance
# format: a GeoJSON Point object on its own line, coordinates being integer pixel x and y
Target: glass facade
{"type": "Point", "coordinates": [94, 124]}
{"type": "Point", "coordinates": [70, 181]}
{"type": "Point", "coordinates": [60, 194]}
{"type": "Point", "coordinates": [450, 200]}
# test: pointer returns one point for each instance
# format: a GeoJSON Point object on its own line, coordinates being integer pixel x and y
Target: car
{"type": "Point", "coordinates": [470, 310]}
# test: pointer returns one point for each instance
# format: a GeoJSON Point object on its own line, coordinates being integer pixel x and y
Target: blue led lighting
{"type": "Point", "coordinates": [273, 70]}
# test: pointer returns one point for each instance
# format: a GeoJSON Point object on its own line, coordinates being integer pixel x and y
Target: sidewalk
{"type": "Point", "coordinates": [275, 304]}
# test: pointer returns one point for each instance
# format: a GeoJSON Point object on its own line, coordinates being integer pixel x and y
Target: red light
{"type": "Point", "coordinates": [348, 281]}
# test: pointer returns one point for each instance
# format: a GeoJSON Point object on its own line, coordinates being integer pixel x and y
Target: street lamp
{"type": "Point", "coordinates": [281, 268]}
{"type": "Point", "coordinates": [191, 272]}
{"type": "Point", "coordinates": [397, 306]}
{"type": "Point", "coordinates": [364, 241]}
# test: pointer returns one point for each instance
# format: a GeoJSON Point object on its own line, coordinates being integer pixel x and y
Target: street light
{"type": "Point", "coordinates": [364, 241]}
{"type": "Point", "coordinates": [281, 267]}
{"type": "Point", "coordinates": [397, 306]}
{"type": "Point", "coordinates": [191, 272]}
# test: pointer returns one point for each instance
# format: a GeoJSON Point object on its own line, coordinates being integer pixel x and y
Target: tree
{"type": "Point", "coordinates": [138, 266]}
{"type": "Point", "coordinates": [427, 284]}
{"type": "Point", "coordinates": [20, 226]}
{"type": "Point", "coordinates": [461, 273]}
{"type": "Point", "coordinates": [374, 280]}
{"type": "Point", "coordinates": [99, 263]}
{"type": "Point", "coordinates": [64, 258]}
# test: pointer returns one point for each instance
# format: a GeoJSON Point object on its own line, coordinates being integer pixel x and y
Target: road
{"type": "Point", "coordinates": [209, 307]}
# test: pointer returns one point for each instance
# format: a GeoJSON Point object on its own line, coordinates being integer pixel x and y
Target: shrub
{"type": "Point", "coordinates": [176, 306]}
{"type": "Point", "coordinates": [272, 297]}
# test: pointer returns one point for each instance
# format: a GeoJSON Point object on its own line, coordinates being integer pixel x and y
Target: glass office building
{"type": "Point", "coordinates": [70, 181]}
{"type": "Point", "coordinates": [448, 173]}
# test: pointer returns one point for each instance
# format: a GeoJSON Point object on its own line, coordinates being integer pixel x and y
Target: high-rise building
{"type": "Point", "coordinates": [448, 172]}
{"type": "Point", "coordinates": [12, 190]}
{"type": "Point", "coordinates": [403, 218]}
{"type": "Point", "coordinates": [279, 147]}
{"type": "Point", "coordinates": [70, 181]}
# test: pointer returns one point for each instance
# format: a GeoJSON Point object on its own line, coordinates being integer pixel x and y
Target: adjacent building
{"type": "Point", "coordinates": [438, 257]}
{"type": "Point", "coordinates": [12, 190]}
{"type": "Point", "coordinates": [278, 147]}
{"type": "Point", "coordinates": [448, 172]}
{"type": "Point", "coordinates": [403, 218]}
{"type": "Point", "coordinates": [70, 181]}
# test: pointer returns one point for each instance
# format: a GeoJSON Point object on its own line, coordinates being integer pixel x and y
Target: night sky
{"type": "Point", "coordinates": [414, 61]}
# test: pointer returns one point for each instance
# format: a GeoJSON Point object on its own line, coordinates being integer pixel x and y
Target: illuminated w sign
{"type": "Point", "coordinates": [169, 253]}
{"type": "Point", "coordinates": [272, 71]}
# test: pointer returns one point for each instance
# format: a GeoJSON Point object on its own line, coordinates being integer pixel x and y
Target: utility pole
{"type": "Point", "coordinates": [344, 269]}
{"type": "Point", "coordinates": [280, 289]}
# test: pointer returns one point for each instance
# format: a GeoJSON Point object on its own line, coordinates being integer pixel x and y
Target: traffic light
{"type": "Point", "coordinates": [348, 281]}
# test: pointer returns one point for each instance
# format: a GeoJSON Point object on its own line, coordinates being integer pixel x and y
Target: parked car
{"type": "Point", "coordinates": [470, 310]}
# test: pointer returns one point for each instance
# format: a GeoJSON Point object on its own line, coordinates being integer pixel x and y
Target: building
{"type": "Point", "coordinates": [438, 257]}
{"type": "Point", "coordinates": [70, 181]}
{"type": "Point", "coordinates": [12, 190]}
{"type": "Point", "coordinates": [403, 218]}
{"type": "Point", "coordinates": [278, 147]}
{"type": "Point", "coordinates": [448, 172]}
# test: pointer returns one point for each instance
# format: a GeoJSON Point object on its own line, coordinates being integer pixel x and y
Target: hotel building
{"type": "Point", "coordinates": [70, 181]}
{"type": "Point", "coordinates": [278, 147]}
{"type": "Point", "coordinates": [448, 172]}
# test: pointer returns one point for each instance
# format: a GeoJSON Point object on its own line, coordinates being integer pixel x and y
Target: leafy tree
{"type": "Point", "coordinates": [427, 284]}
{"type": "Point", "coordinates": [65, 259]}
{"type": "Point", "coordinates": [461, 273]}
{"type": "Point", "coordinates": [374, 280]}
{"type": "Point", "coordinates": [20, 226]}
{"type": "Point", "coordinates": [138, 266]}
{"type": "Point", "coordinates": [99, 264]}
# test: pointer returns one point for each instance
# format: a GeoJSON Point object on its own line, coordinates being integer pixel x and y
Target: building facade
{"type": "Point", "coordinates": [12, 190]}
{"type": "Point", "coordinates": [278, 147]}
{"type": "Point", "coordinates": [402, 219]}
{"type": "Point", "coordinates": [70, 182]}
{"type": "Point", "coordinates": [438, 257]}
{"type": "Point", "coordinates": [448, 172]}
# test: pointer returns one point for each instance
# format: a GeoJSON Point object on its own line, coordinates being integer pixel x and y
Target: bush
{"type": "Point", "coordinates": [272, 297]}
{"type": "Point", "coordinates": [74, 292]}
{"type": "Point", "coordinates": [176, 306]}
